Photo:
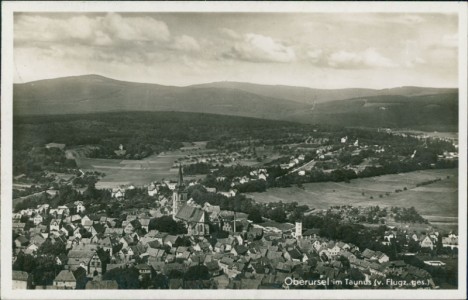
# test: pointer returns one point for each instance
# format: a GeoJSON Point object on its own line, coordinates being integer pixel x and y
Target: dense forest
{"type": "Point", "coordinates": [142, 133]}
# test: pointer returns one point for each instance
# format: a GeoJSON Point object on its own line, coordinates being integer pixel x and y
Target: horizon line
{"type": "Point", "coordinates": [226, 81]}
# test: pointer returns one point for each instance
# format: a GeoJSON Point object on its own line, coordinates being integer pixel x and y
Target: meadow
{"type": "Point", "coordinates": [437, 201]}
{"type": "Point", "coordinates": [137, 172]}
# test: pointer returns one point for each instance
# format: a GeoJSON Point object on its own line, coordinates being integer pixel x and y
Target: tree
{"type": "Point", "coordinates": [159, 281]}
{"type": "Point", "coordinates": [45, 270]}
{"type": "Point", "coordinates": [127, 278]}
{"type": "Point", "coordinates": [167, 224]}
{"type": "Point", "coordinates": [199, 272]}
{"type": "Point", "coordinates": [355, 274]}
{"type": "Point", "coordinates": [24, 263]}
{"type": "Point", "coordinates": [344, 261]}
{"type": "Point", "coordinates": [48, 247]}
{"type": "Point", "coordinates": [278, 214]}
{"type": "Point", "coordinates": [255, 216]}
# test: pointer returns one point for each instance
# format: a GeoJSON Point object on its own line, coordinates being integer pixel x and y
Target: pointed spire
{"type": "Point", "coordinates": [181, 177]}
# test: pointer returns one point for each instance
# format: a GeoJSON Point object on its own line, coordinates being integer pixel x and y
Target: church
{"type": "Point", "coordinates": [195, 219]}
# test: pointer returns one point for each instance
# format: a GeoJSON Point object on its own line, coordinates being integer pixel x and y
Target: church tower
{"type": "Point", "coordinates": [179, 196]}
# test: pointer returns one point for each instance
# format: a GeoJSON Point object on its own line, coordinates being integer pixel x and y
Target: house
{"type": "Point", "coordinates": [144, 270]}
{"type": "Point", "coordinates": [229, 194]}
{"type": "Point", "coordinates": [61, 259]}
{"type": "Point", "coordinates": [114, 231]}
{"type": "Point", "coordinates": [95, 265]}
{"type": "Point", "coordinates": [152, 190]}
{"type": "Point", "coordinates": [194, 218]}
{"type": "Point", "coordinates": [55, 145]}
{"type": "Point", "coordinates": [434, 263]}
{"type": "Point", "coordinates": [37, 219]}
{"type": "Point", "coordinates": [144, 223]}
{"type": "Point", "coordinates": [65, 280]}
{"type": "Point", "coordinates": [21, 280]}
{"type": "Point", "coordinates": [97, 228]}
{"type": "Point", "coordinates": [42, 208]}
{"type": "Point", "coordinates": [79, 207]}
{"type": "Point", "coordinates": [128, 227]}
{"type": "Point", "coordinates": [334, 251]}
{"type": "Point", "coordinates": [426, 242]}
{"type": "Point", "coordinates": [239, 250]}
{"type": "Point", "coordinates": [80, 258]}
{"type": "Point", "coordinates": [86, 222]}
{"type": "Point", "coordinates": [311, 233]}
{"type": "Point", "coordinates": [368, 254]}
{"type": "Point", "coordinates": [21, 241]}
{"type": "Point", "coordinates": [450, 241]}
{"type": "Point", "coordinates": [225, 263]}
{"type": "Point", "coordinates": [37, 239]}
{"type": "Point", "coordinates": [382, 257]}
{"type": "Point", "coordinates": [210, 189]}
{"type": "Point", "coordinates": [213, 268]}
{"type": "Point", "coordinates": [170, 240]}
{"type": "Point", "coordinates": [293, 255]}
{"type": "Point", "coordinates": [118, 193]}
{"type": "Point", "coordinates": [75, 219]}
{"type": "Point", "coordinates": [18, 227]}
{"type": "Point", "coordinates": [63, 210]}
{"type": "Point", "coordinates": [55, 225]}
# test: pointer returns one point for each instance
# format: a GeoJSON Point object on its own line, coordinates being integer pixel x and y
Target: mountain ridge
{"type": "Point", "coordinates": [96, 93]}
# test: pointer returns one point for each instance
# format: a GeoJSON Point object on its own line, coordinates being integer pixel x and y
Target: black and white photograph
{"type": "Point", "coordinates": [301, 150]}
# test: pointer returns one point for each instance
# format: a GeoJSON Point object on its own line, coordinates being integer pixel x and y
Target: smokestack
{"type": "Point", "coordinates": [298, 230]}
{"type": "Point", "coordinates": [234, 221]}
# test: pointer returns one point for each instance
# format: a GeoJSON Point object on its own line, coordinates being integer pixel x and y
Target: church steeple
{"type": "Point", "coordinates": [179, 195]}
{"type": "Point", "coordinates": [180, 183]}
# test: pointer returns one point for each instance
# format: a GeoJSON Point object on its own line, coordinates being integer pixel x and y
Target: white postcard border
{"type": "Point", "coordinates": [8, 8]}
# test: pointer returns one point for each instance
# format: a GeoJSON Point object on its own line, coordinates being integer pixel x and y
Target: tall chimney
{"type": "Point", "coordinates": [234, 221]}
{"type": "Point", "coordinates": [298, 230]}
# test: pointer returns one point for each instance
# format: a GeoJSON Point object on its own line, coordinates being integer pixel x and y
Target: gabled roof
{"type": "Point", "coordinates": [99, 228]}
{"type": "Point", "coordinates": [65, 275]}
{"type": "Point", "coordinates": [295, 254]}
{"type": "Point", "coordinates": [22, 239]}
{"type": "Point", "coordinates": [143, 267]}
{"type": "Point", "coordinates": [144, 222]}
{"type": "Point", "coordinates": [170, 238]}
{"type": "Point", "coordinates": [367, 253]}
{"type": "Point", "coordinates": [240, 249]}
{"type": "Point", "coordinates": [18, 225]}
{"type": "Point", "coordinates": [80, 254]}
{"type": "Point", "coordinates": [190, 214]}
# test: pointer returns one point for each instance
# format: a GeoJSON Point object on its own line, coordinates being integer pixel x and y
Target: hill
{"type": "Point", "coordinates": [414, 107]}
{"type": "Point", "coordinates": [429, 112]}
{"type": "Point", "coordinates": [310, 95]}
{"type": "Point", "coordinates": [93, 93]}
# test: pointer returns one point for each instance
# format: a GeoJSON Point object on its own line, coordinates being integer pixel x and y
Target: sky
{"type": "Point", "coordinates": [317, 50]}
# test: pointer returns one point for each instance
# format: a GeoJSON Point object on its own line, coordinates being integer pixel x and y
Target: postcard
{"type": "Point", "coordinates": [238, 150]}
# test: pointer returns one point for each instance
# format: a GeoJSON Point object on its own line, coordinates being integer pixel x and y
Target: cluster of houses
{"type": "Point", "coordinates": [217, 158]}
{"type": "Point", "coordinates": [316, 140]}
{"type": "Point", "coordinates": [247, 256]}
{"type": "Point", "coordinates": [293, 161]}
{"type": "Point", "coordinates": [260, 174]}
{"type": "Point", "coordinates": [251, 256]}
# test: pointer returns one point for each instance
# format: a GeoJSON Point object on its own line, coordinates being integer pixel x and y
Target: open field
{"type": "Point", "coordinates": [438, 201]}
{"type": "Point", "coordinates": [137, 172]}
{"type": "Point", "coordinates": [433, 134]}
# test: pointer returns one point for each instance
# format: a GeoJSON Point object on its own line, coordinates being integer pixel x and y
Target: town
{"type": "Point", "coordinates": [184, 235]}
